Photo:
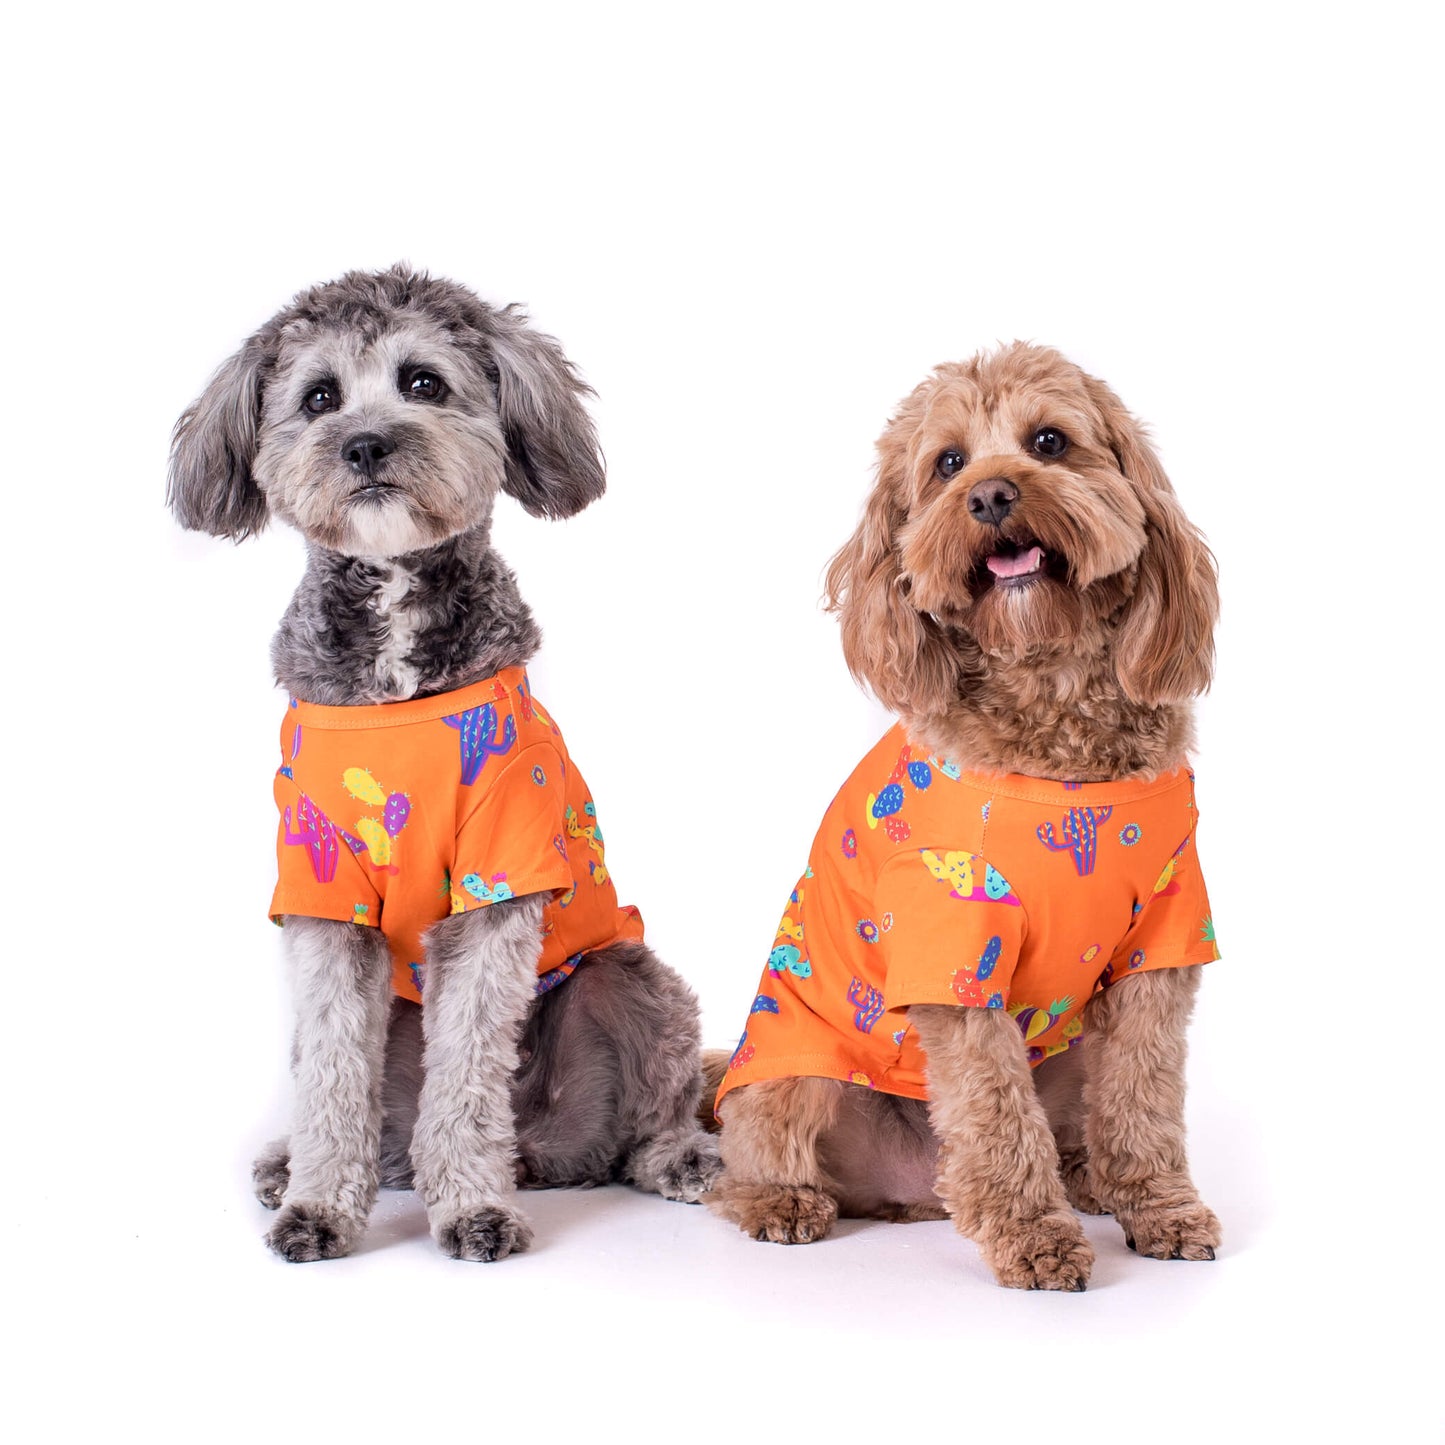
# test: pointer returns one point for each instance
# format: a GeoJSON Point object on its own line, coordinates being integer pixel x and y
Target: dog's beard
{"type": "Point", "coordinates": [1015, 620]}
{"type": "Point", "coordinates": [381, 522]}
{"type": "Point", "coordinates": [396, 510]}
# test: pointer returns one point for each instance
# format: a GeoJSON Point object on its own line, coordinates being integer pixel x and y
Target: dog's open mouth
{"type": "Point", "coordinates": [1016, 564]}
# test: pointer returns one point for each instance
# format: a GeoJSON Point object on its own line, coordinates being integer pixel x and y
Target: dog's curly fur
{"type": "Point", "coordinates": [1025, 591]}
{"type": "Point", "coordinates": [380, 414]}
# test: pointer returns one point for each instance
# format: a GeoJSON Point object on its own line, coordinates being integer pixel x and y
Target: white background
{"type": "Point", "coordinates": [754, 228]}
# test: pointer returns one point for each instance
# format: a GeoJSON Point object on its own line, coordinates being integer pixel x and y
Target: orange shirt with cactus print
{"type": "Point", "coordinates": [396, 815]}
{"type": "Point", "coordinates": [930, 885]}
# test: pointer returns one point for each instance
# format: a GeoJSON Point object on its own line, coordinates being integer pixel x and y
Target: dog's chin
{"type": "Point", "coordinates": [382, 521]}
{"type": "Point", "coordinates": [1021, 601]}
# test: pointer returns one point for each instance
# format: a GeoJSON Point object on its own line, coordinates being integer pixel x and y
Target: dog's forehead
{"type": "Point", "coordinates": [408, 340]}
{"type": "Point", "coordinates": [992, 403]}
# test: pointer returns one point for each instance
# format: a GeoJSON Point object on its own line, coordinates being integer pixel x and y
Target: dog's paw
{"type": "Point", "coordinates": [271, 1173]}
{"type": "Point", "coordinates": [777, 1213]}
{"type": "Point", "coordinates": [484, 1235]}
{"type": "Point", "coordinates": [304, 1232]}
{"type": "Point", "coordinates": [691, 1170]}
{"type": "Point", "coordinates": [1184, 1231]}
{"type": "Point", "coordinates": [1049, 1252]}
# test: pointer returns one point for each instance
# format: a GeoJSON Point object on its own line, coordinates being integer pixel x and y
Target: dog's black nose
{"type": "Point", "coordinates": [991, 500]}
{"type": "Point", "coordinates": [365, 450]}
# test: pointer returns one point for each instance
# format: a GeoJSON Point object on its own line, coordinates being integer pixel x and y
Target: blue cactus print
{"type": "Point", "coordinates": [994, 883]}
{"type": "Point", "coordinates": [763, 1004]}
{"type": "Point", "coordinates": [1081, 836]}
{"type": "Point", "coordinates": [498, 891]}
{"type": "Point", "coordinates": [478, 727]}
{"type": "Point", "coordinates": [889, 801]}
{"type": "Point", "coordinates": [785, 958]}
{"type": "Point", "coordinates": [988, 959]}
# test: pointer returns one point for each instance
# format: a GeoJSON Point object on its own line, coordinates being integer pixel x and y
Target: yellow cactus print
{"type": "Point", "coordinates": [376, 838]}
{"type": "Point", "coordinates": [955, 869]}
{"type": "Point", "coordinates": [363, 787]}
{"type": "Point", "coordinates": [593, 835]}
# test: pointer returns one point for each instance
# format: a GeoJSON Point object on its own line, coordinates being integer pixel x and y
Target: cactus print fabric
{"type": "Point", "coordinates": [928, 884]}
{"type": "Point", "coordinates": [394, 816]}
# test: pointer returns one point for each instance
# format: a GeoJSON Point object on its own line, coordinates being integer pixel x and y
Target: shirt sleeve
{"type": "Point", "coordinates": [512, 842]}
{"type": "Point", "coordinates": [1175, 928]}
{"type": "Point", "coordinates": [317, 872]}
{"type": "Point", "coordinates": [951, 929]}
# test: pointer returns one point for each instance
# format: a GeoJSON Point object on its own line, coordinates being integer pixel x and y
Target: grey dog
{"type": "Point", "coordinates": [380, 414]}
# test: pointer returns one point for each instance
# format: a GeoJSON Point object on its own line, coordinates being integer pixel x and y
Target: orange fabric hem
{"type": "Point", "coordinates": [309, 910]}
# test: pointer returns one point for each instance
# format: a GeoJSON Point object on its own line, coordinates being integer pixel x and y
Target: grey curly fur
{"type": "Point", "coordinates": [403, 596]}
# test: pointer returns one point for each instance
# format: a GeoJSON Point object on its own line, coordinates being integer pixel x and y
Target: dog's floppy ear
{"type": "Point", "coordinates": [900, 653]}
{"type": "Point", "coordinates": [209, 486]}
{"type": "Point", "coordinates": [1164, 646]}
{"type": "Point", "coordinates": [554, 465]}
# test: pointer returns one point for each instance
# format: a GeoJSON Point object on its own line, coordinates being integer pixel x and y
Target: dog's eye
{"type": "Point", "coordinates": [1050, 442]}
{"type": "Point", "coordinates": [424, 386]}
{"type": "Point", "coordinates": [950, 463]}
{"type": "Point", "coordinates": [320, 399]}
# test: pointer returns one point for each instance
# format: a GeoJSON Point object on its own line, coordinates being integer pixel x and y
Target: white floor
{"type": "Point", "coordinates": [637, 1319]}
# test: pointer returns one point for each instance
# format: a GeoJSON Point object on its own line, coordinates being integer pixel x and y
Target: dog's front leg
{"type": "Point", "coordinates": [998, 1168]}
{"type": "Point", "coordinates": [1134, 1093]}
{"type": "Point", "coordinates": [481, 975]}
{"type": "Point", "coordinates": [773, 1186]}
{"type": "Point", "coordinates": [341, 977]}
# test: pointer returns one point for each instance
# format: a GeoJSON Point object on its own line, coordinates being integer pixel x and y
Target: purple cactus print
{"type": "Point", "coordinates": [1081, 836]}
{"type": "Point", "coordinates": [317, 833]}
{"type": "Point", "coordinates": [867, 1003]}
{"type": "Point", "coordinates": [395, 814]}
{"type": "Point", "coordinates": [478, 727]}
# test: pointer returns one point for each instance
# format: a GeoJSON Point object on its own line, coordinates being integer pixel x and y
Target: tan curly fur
{"type": "Point", "coordinates": [1084, 670]}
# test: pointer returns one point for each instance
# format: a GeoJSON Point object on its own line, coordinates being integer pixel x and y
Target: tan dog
{"type": "Point", "coordinates": [1026, 593]}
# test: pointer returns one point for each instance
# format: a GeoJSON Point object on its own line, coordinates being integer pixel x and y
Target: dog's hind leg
{"type": "Point", "coordinates": [998, 1168]}
{"type": "Point", "coordinates": [342, 981]}
{"type": "Point", "coordinates": [610, 1080]}
{"type": "Point", "coordinates": [481, 974]}
{"type": "Point", "coordinates": [271, 1172]}
{"type": "Point", "coordinates": [1135, 1094]}
{"type": "Point", "coordinates": [773, 1185]}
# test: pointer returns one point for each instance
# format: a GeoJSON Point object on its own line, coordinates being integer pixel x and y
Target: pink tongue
{"type": "Point", "coordinates": [1019, 566]}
